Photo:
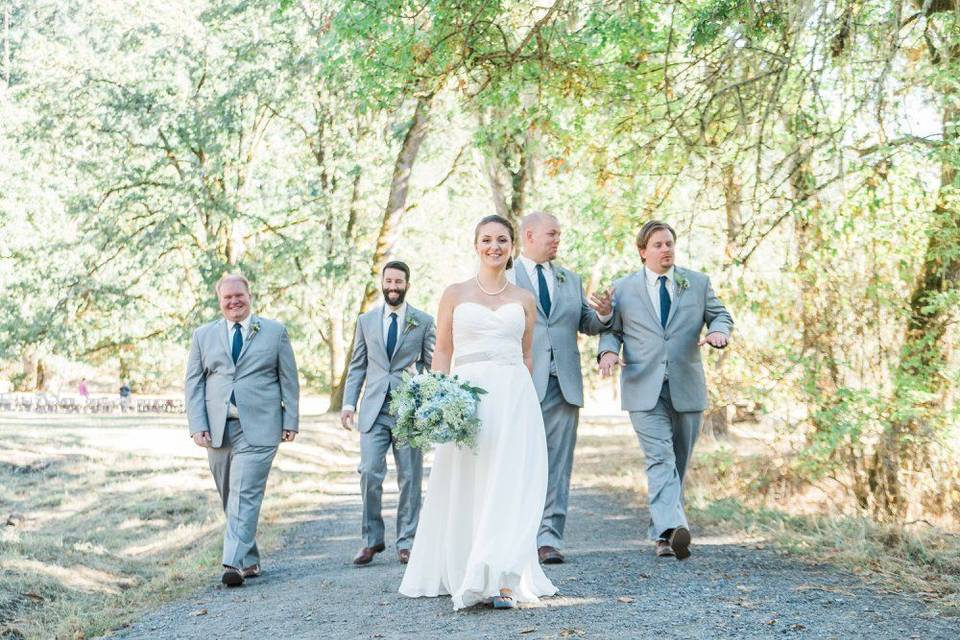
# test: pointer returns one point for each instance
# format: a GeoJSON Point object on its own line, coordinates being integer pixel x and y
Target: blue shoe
{"type": "Point", "coordinates": [503, 602]}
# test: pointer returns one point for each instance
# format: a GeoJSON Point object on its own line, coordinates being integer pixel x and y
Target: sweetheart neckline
{"type": "Point", "coordinates": [490, 309]}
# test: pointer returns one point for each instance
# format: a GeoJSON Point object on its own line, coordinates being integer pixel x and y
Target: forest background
{"type": "Point", "coordinates": [806, 151]}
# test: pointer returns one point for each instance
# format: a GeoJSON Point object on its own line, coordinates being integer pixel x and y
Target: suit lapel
{"type": "Point", "coordinates": [641, 286]}
{"type": "Point", "coordinates": [375, 326]}
{"type": "Point", "coordinates": [221, 328]}
{"type": "Point", "coordinates": [678, 291]}
{"type": "Point", "coordinates": [524, 281]}
{"type": "Point", "coordinates": [557, 291]}
{"type": "Point", "coordinates": [403, 331]}
{"type": "Point", "coordinates": [251, 334]}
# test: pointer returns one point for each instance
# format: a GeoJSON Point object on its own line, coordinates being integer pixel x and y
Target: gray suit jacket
{"type": "Point", "coordinates": [556, 334]}
{"type": "Point", "coordinates": [264, 381]}
{"type": "Point", "coordinates": [369, 363]}
{"type": "Point", "coordinates": [652, 352]}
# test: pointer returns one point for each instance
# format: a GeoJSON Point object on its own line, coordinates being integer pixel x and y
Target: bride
{"type": "Point", "coordinates": [477, 538]}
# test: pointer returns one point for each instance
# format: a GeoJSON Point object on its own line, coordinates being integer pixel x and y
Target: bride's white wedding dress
{"type": "Point", "coordinates": [478, 527]}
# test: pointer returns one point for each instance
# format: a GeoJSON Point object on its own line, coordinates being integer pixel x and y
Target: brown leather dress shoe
{"type": "Point", "coordinates": [253, 571]}
{"type": "Point", "coordinates": [403, 555]}
{"type": "Point", "coordinates": [680, 543]}
{"type": "Point", "coordinates": [232, 577]}
{"type": "Point", "coordinates": [365, 555]}
{"type": "Point", "coordinates": [550, 555]}
{"type": "Point", "coordinates": [664, 550]}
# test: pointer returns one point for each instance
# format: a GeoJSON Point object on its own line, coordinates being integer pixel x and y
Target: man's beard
{"type": "Point", "coordinates": [400, 296]}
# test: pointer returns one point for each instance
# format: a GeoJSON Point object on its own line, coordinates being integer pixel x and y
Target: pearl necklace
{"type": "Point", "coordinates": [491, 293]}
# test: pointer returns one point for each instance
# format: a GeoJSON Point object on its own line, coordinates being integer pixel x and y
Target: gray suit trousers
{"type": "Point", "coordinates": [240, 471]}
{"type": "Point", "coordinates": [373, 469]}
{"type": "Point", "coordinates": [667, 437]}
{"type": "Point", "coordinates": [560, 419]}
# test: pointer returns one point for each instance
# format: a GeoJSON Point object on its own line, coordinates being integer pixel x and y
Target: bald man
{"type": "Point", "coordinates": [562, 312]}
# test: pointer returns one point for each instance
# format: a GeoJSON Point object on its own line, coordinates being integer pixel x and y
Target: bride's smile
{"type": "Point", "coordinates": [494, 245]}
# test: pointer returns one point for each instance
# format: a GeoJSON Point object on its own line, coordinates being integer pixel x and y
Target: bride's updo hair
{"type": "Point", "coordinates": [501, 221]}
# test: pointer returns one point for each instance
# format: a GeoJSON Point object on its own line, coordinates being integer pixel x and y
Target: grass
{"type": "Point", "coordinates": [107, 516]}
{"type": "Point", "coordinates": [728, 491]}
{"type": "Point", "coordinates": [111, 516]}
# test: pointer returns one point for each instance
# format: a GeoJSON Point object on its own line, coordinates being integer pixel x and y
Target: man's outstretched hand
{"type": "Point", "coordinates": [716, 340]}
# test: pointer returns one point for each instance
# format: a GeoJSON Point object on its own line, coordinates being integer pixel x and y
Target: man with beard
{"type": "Point", "coordinates": [389, 340]}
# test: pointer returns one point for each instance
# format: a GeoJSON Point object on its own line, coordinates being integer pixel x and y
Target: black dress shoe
{"type": "Point", "coordinates": [231, 577]}
{"type": "Point", "coordinates": [663, 549]}
{"type": "Point", "coordinates": [680, 542]}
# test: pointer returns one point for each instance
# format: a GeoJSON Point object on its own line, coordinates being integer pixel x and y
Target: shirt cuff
{"type": "Point", "coordinates": [348, 407]}
{"type": "Point", "coordinates": [605, 318]}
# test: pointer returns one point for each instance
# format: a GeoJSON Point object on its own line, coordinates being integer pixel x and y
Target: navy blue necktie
{"type": "Point", "coordinates": [235, 351]}
{"type": "Point", "coordinates": [237, 342]}
{"type": "Point", "coordinates": [392, 335]}
{"type": "Point", "coordinates": [664, 301]}
{"type": "Point", "coordinates": [544, 291]}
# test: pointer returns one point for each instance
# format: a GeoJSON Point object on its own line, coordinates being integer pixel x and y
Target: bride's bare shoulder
{"type": "Point", "coordinates": [455, 292]}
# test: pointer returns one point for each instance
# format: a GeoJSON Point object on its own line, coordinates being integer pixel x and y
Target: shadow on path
{"type": "Point", "coordinates": [611, 587]}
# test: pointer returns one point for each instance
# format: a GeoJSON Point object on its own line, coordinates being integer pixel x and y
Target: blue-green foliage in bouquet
{"type": "Point", "coordinates": [433, 408]}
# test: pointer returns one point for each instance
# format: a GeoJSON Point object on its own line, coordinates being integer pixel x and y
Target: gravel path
{"type": "Point", "coordinates": [611, 587]}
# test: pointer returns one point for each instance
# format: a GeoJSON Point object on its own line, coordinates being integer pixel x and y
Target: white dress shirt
{"type": "Point", "coordinates": [548, 275]}
{"type": "Point", "coordinates": [653, 287]}
{"type": "Point", "coordinates": [244, 330]}
{"type": "Point", "coordinates": [244, 333]}
{"type": "Point", "coordinates": [401, 312]}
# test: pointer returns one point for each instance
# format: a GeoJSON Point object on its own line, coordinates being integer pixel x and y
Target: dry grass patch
{"type": "Point", "coordinates": [737, 485]}
{"type": "Point", "coordinates": [107, 516]}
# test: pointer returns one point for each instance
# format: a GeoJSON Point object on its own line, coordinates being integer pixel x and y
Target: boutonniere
{"type": "Point", "coordinates": [682, 283]}
{"type": "Point", "coordinates": [412, 323]}
{"type": "Point", "coordinates": [255, 326]}
{"type": "Point", "coordinates": [561, 277]}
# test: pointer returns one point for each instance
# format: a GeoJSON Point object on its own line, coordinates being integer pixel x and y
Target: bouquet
{"type": "Point", "coordinates": [433, 408]}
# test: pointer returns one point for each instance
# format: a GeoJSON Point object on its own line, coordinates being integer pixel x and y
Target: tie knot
{"type": "Point", "coordinates": [393, 315]}
{"type": "Point", "coordinates": [662, 279]}
{"type": "Point", "coordinates": [539, 267]}
{"type": "Point", "coordinates": [237, 326]}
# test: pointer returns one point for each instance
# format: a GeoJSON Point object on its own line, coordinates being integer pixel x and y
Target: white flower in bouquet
{"type": "Point", "coordinates": [433, 408]}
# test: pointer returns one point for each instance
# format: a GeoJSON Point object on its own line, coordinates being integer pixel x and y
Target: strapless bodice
{"type": "Point", "coordinates": [484, 334]}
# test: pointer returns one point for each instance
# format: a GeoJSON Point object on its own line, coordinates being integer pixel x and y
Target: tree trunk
{"type": "Point", "coordinates": [27, 379]}
{"type": "Point", "coordinates": [41, 375]}
{"type": "Point", "coordinates": [391, 226]}
{"type": "Point", "coordinates": [925, 353]}
{"type": "Point", "coordinates": [518, 181]}
{"type": "Point", "coordinates": [733, 204]}
{"type": "Point", "coordinates": [491, 168]}
{"type": "Point", "coordinates": [337, 349]}
{"type": "Point", "coordinates": [818, 325]}
{"type": "Point", "coordinates": [716, 422]}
